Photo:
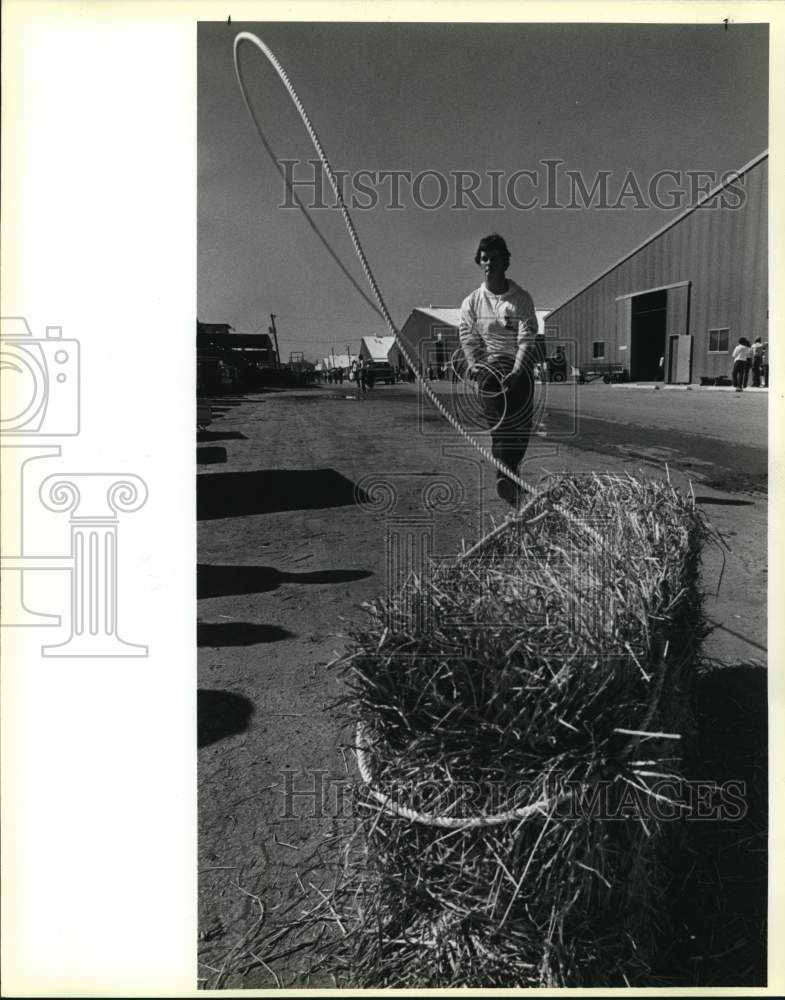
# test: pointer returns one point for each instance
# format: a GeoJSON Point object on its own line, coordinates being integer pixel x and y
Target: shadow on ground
{"type": "Point", "coordinates": [718, 897]}
{"type": "Point", "coordinates": [238, 633]}
{"type": "Point", "coordinates": [210, 456]}
{"type": "Point", "coordinates": [266, 491]}
{"type": "Point", "coordinates": [218, 581]}
{"type": "Point", "coordinates": [220, 436]}
{"type": "Point", "coordinates": [724, 502]}
{"type": "Point", "coordinates": [220, 714]}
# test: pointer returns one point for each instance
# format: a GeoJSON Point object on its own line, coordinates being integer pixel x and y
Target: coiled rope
{"type": "Point", "coordinates": [542, 807]}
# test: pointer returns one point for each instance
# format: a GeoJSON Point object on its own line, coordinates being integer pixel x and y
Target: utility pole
{"type": "Point", "coordinates": [274, 333]}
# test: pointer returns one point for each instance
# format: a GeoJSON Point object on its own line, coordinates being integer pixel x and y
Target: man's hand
{"type": "Point", "coordinates": [511, 378]}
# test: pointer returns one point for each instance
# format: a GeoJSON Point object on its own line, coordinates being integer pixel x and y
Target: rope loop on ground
{"type": "Point", "coordinates": [543, 807]}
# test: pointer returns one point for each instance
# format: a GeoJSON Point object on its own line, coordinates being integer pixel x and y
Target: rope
{"type": "Point", "coordinates": [540, 808]}
{"type": "Point", "coordinates": [247, 36]}
{"type": "Point", "coordinates": [430, 819]}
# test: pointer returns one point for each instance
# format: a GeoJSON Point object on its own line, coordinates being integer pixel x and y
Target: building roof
{"type": "Point", "coordinates": [669, 225]}
{"type": "Point", "coordinates": [211, 328]}
{"type": "Point", "coordinates": [378, 347]}
{"type": "Point", "coordinates": [217, 335]}
{"type": "Point", "coordinates": [443, 314]}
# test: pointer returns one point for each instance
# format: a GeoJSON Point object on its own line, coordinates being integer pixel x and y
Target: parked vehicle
{"type": "Point", "coordinates": [606, 371]}
{"type": "Point", "coordinates": [382, 372]}
{"type": "Point", "coordinates": [556, 368]}
{"type": "Point", "coordinates": [208, 376]}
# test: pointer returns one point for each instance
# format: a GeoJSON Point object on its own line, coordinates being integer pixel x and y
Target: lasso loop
{"type": "Point", "coordinates": [393, 808]}
{"type": "Point", "coordinates": [379, 496]}
{"type": "Point", "coordinates": [247, 36]}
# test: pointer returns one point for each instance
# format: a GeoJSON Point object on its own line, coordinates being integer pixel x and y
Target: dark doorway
{"type": "Point", "coordinates": [673, 359]}
{"type": "Point", "coordinates": [647, 336]}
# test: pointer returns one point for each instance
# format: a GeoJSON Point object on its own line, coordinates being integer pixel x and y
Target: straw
{"type": "Point", "coordinates": [508, 834]}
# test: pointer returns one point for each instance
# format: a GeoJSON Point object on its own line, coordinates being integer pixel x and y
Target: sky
{"type": "Point", "coordinates": [631, 101]}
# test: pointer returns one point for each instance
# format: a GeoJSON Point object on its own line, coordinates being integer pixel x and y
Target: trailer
{"type": "Point", "coordinates": [607, 372]}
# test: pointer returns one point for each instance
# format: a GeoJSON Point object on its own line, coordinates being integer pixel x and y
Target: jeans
{"type": "Point", "coordinates": [508, 413]}
{"type": "Point", "coordinates": [739, 373]}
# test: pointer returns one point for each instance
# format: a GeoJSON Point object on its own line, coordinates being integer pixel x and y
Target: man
{"type": "Point", "coordinates": [742, 353]}
{"type": "Point", "coordinates": [757, 362]}
{"type": "Point", "coordinates": [498, 333]}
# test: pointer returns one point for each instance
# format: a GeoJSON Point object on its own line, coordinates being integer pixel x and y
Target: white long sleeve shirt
{"type": "Point", "coordinates": [493, 327]}
{"type": "Point", "coordinates": [741, 353]}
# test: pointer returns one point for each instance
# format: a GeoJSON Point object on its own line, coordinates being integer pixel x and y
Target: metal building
{"type": "Point", "coordinates": [674, 307]}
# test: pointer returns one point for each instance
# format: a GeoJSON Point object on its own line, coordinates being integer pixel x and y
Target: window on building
{"type": "Point", "coordinates": [598, 349]}
{"type": "Point", "coordinates": [718, 340]}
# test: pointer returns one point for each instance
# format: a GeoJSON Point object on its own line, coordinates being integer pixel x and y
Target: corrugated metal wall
{"type": "Point", "coordinates": [721, 251]}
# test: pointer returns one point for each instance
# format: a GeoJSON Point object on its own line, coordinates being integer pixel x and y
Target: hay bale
{"type": "Point", "coordinates": [512, 833]}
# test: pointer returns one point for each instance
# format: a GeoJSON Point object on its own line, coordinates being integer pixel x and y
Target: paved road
{"type": "Point", "coordinates": [736, 418]}
{"type": "Point", "coordinates": [723, 433]}
{"type": "Point", "coordinates": [287, 558]}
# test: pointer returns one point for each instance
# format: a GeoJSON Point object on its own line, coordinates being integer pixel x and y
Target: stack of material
{"type": "Point", "coordinates": [522, 753]}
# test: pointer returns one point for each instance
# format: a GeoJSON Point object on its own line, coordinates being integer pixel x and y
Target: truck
{"type": "Point", "coordinates": [381, 372]}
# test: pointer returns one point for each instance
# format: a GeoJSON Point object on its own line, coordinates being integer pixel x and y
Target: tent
{"type": "Point", "coordinates": [338, 361]}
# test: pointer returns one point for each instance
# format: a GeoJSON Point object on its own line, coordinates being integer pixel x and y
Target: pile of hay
{"type": "Point", "coordinates": [513, 830]}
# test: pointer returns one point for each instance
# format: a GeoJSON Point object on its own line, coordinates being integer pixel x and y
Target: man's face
{"type": "Point", "coordinates": [492, 265]}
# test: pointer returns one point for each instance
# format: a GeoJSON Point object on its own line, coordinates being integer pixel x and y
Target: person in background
{"type": "Point", "coordinates": [757, 362]}
{"type": "Point", "coordinates": [498, 334]}
{"type": "Point", "coordinates": [742, 353]}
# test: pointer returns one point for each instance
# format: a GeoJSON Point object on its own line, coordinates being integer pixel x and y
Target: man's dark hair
{"type": "Point", "coordinates": [493, 242]}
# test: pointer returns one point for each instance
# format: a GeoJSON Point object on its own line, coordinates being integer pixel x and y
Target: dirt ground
{"type": "Point", "coordinates": [286, 559]}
